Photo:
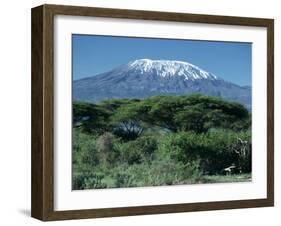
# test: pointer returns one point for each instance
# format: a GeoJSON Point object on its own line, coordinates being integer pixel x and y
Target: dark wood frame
{"type": "Point", "coordinates": [42, 203]}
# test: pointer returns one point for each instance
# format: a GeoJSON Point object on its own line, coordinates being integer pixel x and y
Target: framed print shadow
{"type": "Point", "coordinates": [141, 112]}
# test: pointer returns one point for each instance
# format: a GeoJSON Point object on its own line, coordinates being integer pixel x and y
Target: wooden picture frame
{"type": "Point", "coordinates": [42, 205]}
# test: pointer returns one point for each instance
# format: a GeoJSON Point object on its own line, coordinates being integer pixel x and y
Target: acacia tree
{"type": "Point", "coordinates": [91, 118]}
{"type": "Point", "coordinates": [127, 122]}
{"type": "Point", "coordinates": [191, 118]}
{"type": "Point", "coordinates": [114, 104]}
{"type": "Point", "coordinates": [129, 118]}
{"type": "Point", "coordinates": [200, 113]}
{"type": "Point", "coordinates": [159, 111]}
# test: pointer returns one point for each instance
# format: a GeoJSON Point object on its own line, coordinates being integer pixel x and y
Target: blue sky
{"type": "Point", "coordinates": [93, 54]}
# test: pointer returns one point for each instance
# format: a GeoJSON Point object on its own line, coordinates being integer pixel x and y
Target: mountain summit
{"type": "Point", "coordinates": [166, 68]}
{"type": "Point", "coordinates": [144, 77]}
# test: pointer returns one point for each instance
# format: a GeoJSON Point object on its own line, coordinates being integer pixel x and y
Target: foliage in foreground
{"type": "Point", "coordinates": [106, 161]}
{"type": "Point", "coordinates": [160, 141]}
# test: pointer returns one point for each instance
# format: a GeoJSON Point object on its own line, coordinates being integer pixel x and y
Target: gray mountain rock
{"type": "Point", "coordinates": [143, 78]}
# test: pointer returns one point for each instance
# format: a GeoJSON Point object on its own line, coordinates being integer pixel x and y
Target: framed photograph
{"type": "Point", "coordinates": [141, 112]}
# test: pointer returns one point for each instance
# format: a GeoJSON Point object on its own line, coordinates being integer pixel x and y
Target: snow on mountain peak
{"type": "Point", "coordinates": [168, 68]}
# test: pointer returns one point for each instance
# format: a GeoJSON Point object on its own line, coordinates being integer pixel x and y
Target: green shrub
{"type": "Point", "coordinates": [140, 150]}
{"type": "Point", "coordinates": [164, 172]}
{"type": "Point", "coordinates": [84, 149]}
{"type": "Point", "coordinates": [216, 149]}
{"type": "Point", "coordinates": [94, 181]}
{"type": "Point", "coordinates": [182, 146]}
{"type": "Point", "coordinates": [88, 180]}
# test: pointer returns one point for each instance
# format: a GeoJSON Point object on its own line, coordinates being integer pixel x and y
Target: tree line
{"type": "Point", "coordinates": [129, 118]}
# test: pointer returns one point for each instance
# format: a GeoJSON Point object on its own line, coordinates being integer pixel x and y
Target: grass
{"type": "Point", "coordinates": [246, 177]}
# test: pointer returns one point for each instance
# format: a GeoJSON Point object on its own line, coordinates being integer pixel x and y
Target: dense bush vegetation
{"type": "Point", "coordinates": [161, 140]}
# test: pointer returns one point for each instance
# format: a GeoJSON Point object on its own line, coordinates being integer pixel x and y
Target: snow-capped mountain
{"type": "Point", "coordinates": [166, 68]}
{"type": "Point", "coordinates": [143, 78]}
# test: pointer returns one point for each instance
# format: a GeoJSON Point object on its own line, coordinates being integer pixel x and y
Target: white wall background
{"type": "Point", "coordinates": [15, 112]}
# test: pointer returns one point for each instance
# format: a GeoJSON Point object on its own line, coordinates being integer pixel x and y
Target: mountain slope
{"type": "Point", "coordinates": [143, 78]}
